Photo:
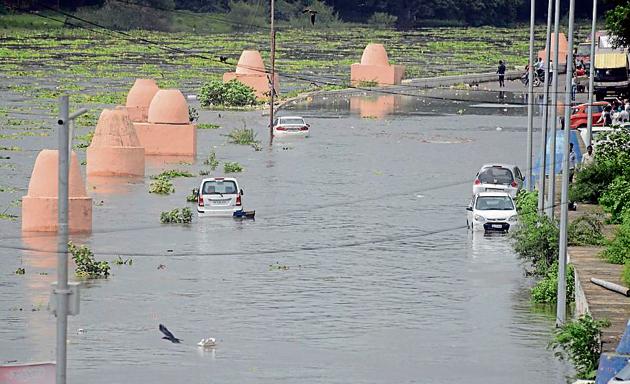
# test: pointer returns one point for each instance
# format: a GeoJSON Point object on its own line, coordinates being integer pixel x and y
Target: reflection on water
{"type": "Point", "coordinates": [357, 269]}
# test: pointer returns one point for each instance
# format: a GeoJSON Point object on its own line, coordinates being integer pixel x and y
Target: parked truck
{"type": "Point", "coordinates": [611, 73]}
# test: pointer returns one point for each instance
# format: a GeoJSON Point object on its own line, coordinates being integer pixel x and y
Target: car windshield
{"type": "Point", "coordinates": [218, 187]}
{"type": "Point", "coordinates": [496, 175]}
{"type": "Point", "coordinates": [612, 74]}
{"type": "Point", "coordinates": [296, 121]}
{"type": "Point", "coordinates": [494, 203]}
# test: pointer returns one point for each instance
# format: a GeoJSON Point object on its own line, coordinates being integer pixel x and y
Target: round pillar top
{"type": "Point", "coordinates": [114, 129]}
{"type": "Point", "coordinates": [142, 92]}
{"type": "Point", "coordinates": [250, 63]}
{"type": "Point", "coordinates": [169, 106]}
{"type": "Point", "coordinates": [44, 178]}
{"type": "Point", "coordinates": [374, 54]}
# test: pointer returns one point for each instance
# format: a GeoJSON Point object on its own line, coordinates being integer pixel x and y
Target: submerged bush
{"type": "Point", "coordinates": [579, 340]}
{"type": "Point", "coordinates": [212, 161]}
{"type": "Point", "coordinates": [243, 136]}
{"type": "Point", "coordinates": [546, 289]}
{"type": "Point", "coordinates": [232, 167]}
{"type": "Point", "coordinates": [87, 266]}
{"type": "Point", "coordinates": [162, 186]}
{"type": "Point", "coordinates": [172, 174]}
{"type": "Point", "coordinates": [176, 216]}
{"type": "Point", "coordinates": [537, 242]}
{"type": "Point", "coordinates": [230, 94]}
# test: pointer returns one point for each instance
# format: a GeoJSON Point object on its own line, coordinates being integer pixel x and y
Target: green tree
{"type": "Point", "coordinates": [618, 24]}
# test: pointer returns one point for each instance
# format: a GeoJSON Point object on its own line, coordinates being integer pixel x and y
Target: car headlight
{"type": "Point", "coordinates": [479, 218]}
{"type": "Point", "coordinates": [513, 218]}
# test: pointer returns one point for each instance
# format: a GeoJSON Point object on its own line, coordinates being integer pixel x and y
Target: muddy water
{"type": "Point", "coordinates": [357, 269]}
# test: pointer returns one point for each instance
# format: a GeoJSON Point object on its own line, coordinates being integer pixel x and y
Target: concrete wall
{"type": "Point", "coordinates": [445, 81]}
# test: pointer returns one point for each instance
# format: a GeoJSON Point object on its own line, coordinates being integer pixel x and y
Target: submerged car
{"type": "Point", "coordinates": [492, 211]}
{"type": "Point", "coordinates": [290, 126]}
{"type": "Point", "coordinates": [219, 196]}
{"type": "Point", "coordinates": [498, 178]}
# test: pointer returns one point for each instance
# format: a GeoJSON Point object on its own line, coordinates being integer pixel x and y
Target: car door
{"type": "Point", "coordinates": [519, 177]}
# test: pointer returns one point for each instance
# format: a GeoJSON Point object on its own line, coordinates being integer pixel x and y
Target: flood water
{"type": "Point", "coordinates": [383, 283]}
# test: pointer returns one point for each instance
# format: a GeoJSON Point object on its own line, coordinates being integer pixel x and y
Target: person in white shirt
{"type": "Point", "coordinates": [588, 158]}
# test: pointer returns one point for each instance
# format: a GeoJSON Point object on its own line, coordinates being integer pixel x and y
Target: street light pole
{"type": "Point", "coordinates": [272, 91]}
{"type": "Point", "coordinates": [591, 76]}
{"type": "Point", "coordinates": [564, 202]}
{"type": "Point", "coordinates": [530, 98]}
{"type": "Point", "coordinates": [551, 198]}
{"type": "Point", "coordinates": [62, 291]}
{"type": "Point", "coordinates": [545, 118]}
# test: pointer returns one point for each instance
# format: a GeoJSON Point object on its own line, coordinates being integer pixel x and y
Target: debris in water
{"type": "Point", "coordinates": [161, 266]}
{"type": "Point", "coordinates": [207, 343]}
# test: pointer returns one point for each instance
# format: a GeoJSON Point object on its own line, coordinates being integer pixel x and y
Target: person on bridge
{"type": "Point", "coordinates": [501, 72]}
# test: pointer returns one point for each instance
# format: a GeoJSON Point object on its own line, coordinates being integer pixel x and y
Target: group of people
{"type": "Point", "coordinates": [617, 112]}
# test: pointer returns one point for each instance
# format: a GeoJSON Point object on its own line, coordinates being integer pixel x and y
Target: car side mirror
{"type": "Point", "coordinates": [242, 193]}
{"type": "Point", "coordinates": [469, 209]}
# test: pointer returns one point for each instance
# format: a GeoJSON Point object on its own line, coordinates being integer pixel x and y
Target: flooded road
{"type": "Point", "coordinates": [357, 269]}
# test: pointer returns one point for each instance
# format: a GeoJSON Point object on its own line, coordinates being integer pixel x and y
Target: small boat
{"type": "Point", "coordinates": [207, 343]}
{"type": "Point", "coordinates": [244, 214]}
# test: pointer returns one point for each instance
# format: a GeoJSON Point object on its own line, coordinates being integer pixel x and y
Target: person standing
{"type": "Point", "coordinates": [501, 72]}
{"type": "Point", "coordinates": [588, 158]}
{"type": "Point", "coordinates": [572, 159]}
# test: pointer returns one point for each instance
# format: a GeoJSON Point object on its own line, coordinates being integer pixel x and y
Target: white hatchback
{"type": "Point", "coordinates": [492, 211]}
{"type": "Point", "coordinates": [498, 178]}
{"type": "Point", "coordinates": [290, 126]}
{"type": "Point", "coordinates": [219, 196]}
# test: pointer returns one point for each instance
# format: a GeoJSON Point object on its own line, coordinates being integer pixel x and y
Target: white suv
{"type": "Point", "coordinates": [219, 196]}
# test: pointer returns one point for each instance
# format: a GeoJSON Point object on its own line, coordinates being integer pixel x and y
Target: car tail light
{"type": "Point", "coordinates": [200, 200]}
{"type": "Point", "coordinates": [281, 129]}
{"type": "Point", "coordinates": [304, 128]}
{"type": "Point", "coordinates": [238, 200]}
{"type": "Point", "coordinates": [477, 181]}
{"type": "Point", "coordinates": [514, 184]}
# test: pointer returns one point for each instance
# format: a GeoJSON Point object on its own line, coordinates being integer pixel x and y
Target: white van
{"type": "Point", "coordinates": [219, 196]}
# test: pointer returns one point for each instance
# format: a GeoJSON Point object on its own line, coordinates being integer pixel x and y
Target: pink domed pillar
{"type": "Point", "coordinates": [39, 206]}
{"type": "Point", "coordinates": [375, 67]}
{"type": "Point", "coordinates": [168, 131]}
{"type": "Point", "coordinates": [115, 149]}
{"type": "Point", "coordinates": [139, 98]}
{"type": "Point", "coordinates": [251, 71]}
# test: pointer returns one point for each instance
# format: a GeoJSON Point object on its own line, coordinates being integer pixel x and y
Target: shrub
{"type": "Point", "coordinates": [122, 16]}
{"type": "Point", "coordinates": [526, 202]}
{"type": "Point", "coordinates": [579, 340]}
{"type": "Point", "coordinates": [536, 241]}
{"type": "Point", "coordinates": [382, 19]}
{"type": "Point", "coordinates": [212, 161]}
{"type": "Point", "coordinates": [625, 275]}
{"type": "Point", "coordinates": [618, 250]}
{"type": "Point", "coordinates": [243, 136]}
{"type": "Point", "coordinates": [586, 230]}
{"type": "Point", "coordinates": [162, 186]}
{"type": "Point", "coordinates": [546, 289]}
{"type": "Point", "coordinates": [591, 181]}
{"type": "Point", "coordinates": [192, 198]}
{"type": "Point", "coordinates": [229, 167]}
{"type": "Point", "coordinates": [176, 216]}
{"type": "Point", "coordinates": [87, 266]}
{"type": "Point", "coordinates": [616, 198]}
{"type": "Point", "coordinates": [231, 94]}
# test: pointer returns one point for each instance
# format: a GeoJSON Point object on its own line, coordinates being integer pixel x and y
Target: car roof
{"type": "Point", "coordinates": [503, 165]}
{"type": "Point", "coordinates": [493, 194]}
{"type": "Point", "coordinates": [219, 178]}
{"type": "Point", "coordinates": [290, 117]}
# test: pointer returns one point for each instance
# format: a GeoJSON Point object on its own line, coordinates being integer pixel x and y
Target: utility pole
{"type": "Point", "coordinates": [545, 118]}
{"type": "Point", "coordinates": [551, 199]}
{"type": "Point", "coordinates": [66, 294]}
{"type": "Point", "coordinates": [591, 76]}
{"type": "Point", "coordinates": [564, 202]}
{"type": "Point", "coordinates": [61, 291]}
{"type": "Point", "coordinates": [272, 91]}
{"type": "Point", "coordinates": [530, 98]}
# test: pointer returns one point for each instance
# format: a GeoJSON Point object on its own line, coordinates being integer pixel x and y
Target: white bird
{"type": "Point", "coordinates": [207, 343]}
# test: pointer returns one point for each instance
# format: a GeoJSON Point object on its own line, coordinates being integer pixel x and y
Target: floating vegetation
{"type": "Point", "coordinates": [242, 136]}
{"type": "Point", "coordinates": [212, 161]}
{"type": "Point", "coordinates": [172, 174]}
{"type": "Point", "coordinates": [120, 261]}
{"type": "Point", "coordinates": [87, 265]}
{"type": "Point", "coordinates": [232, 167]}
{"type": "Point", "coordinates": [176, 216]}
{"type": "Point", "coordinates": [20, 271]}
{"type": "Point", "coordinates": [161, 187]}
{"type": "Point", "coordinates": [208, 126]}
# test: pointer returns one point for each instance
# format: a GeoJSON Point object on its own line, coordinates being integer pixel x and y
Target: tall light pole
{"type": "Point", "coordinates": [591, 76]}
{"type": "Point", "coordinates": [561, 301]}
{"type": "Point", "coordinates": [272, 91]}
{"type": "Point", "coordinates": [545, 118]}
{"type": "Point", "coordinates": [530, 98]}
{"type": "Point", "coordinates": [551, 198]}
